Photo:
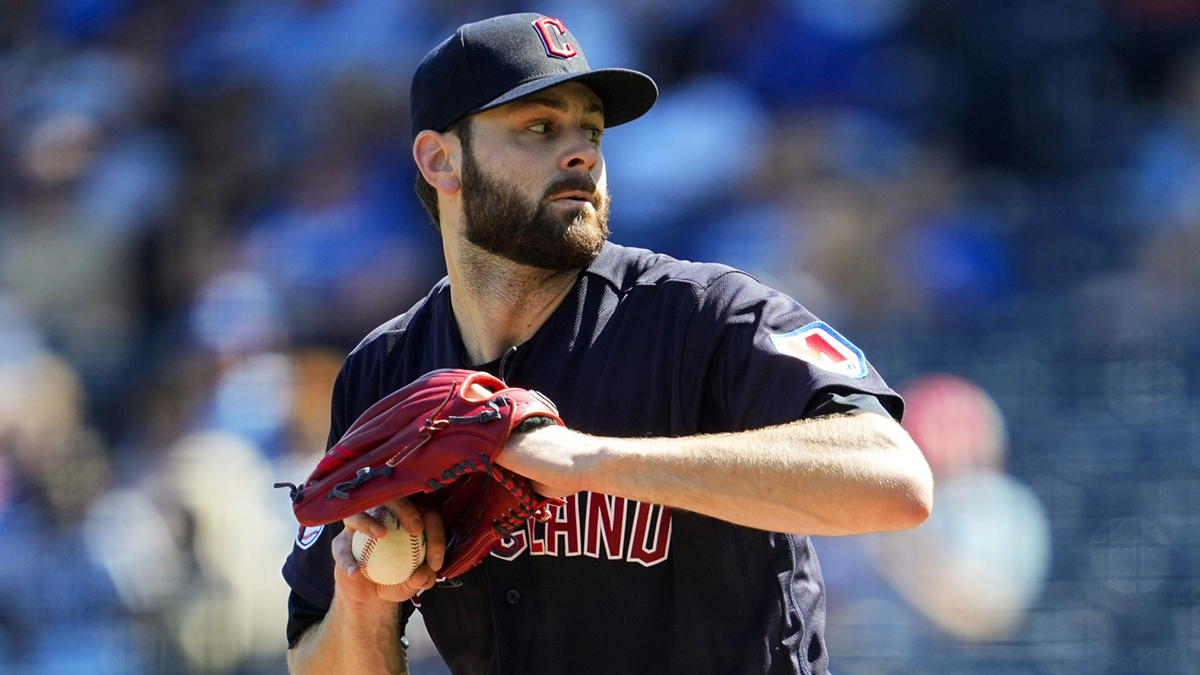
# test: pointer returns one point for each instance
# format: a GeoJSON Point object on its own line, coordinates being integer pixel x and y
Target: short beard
{"type": "Point", "coordinates": [500, 222]}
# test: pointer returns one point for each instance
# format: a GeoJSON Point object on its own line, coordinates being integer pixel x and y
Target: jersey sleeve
{"type": "Point", "coordinates": [309, 573]}
{"type": "Point", "coordinates": [771, 361]}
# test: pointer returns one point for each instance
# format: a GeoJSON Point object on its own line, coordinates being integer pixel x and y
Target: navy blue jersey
{"type": "Point", "coordinates": [644, 345]}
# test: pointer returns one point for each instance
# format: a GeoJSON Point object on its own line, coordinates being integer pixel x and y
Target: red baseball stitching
{"type": "Point", "coordinates": [366, 557]}
{"type": "Point", "coordinates": [415, 551]}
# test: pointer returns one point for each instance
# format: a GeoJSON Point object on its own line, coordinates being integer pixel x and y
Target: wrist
{"type": "Point", "coordinates": [610, 462]}
{"type": "Point", "coordinates": [559, 461]}
{"type": "Point", "coordinates": [591, 460]}
{"type": "Point", "coordinates": [366, 614]}
{"type": "Point", "coordinates": [355, 636]}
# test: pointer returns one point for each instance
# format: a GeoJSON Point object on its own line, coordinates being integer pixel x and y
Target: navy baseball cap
{"type": "Point", "coordinates": [489, 63]}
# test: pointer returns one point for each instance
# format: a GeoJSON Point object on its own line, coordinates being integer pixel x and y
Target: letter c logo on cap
{"type": "Point", "coordinates": [553, 32]}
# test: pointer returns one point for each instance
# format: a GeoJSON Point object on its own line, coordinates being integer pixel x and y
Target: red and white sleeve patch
{"type": "Point", "coordinates": [823, 347]}
{"type": "Point", "coordinates": [308, 536]}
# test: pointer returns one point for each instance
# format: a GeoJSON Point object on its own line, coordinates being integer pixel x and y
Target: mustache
{"type": "Point", "coordinates": [570, 183]}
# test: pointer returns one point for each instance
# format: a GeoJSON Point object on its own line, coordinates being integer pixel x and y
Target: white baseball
{"type": "Point", "coordinates": [392, 559]}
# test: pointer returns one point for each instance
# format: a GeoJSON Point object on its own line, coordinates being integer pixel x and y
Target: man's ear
{"type": "Point", "coordinates": [438, 157]}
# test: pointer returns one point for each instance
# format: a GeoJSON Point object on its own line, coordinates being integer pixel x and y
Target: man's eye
{"type": "Point", "coordinates": [540, 128]}
{"type": "Point", "coordinates": [594, 134]}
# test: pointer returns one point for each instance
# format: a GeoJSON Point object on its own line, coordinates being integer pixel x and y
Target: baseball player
{"type": "Point", "coordinates": [711, 422]}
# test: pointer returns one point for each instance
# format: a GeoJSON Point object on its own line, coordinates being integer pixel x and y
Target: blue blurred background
{"type": "Point", "coordinates": [204, 205]}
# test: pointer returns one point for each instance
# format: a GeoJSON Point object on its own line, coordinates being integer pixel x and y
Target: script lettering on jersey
{"type": "Point", "coordinates": [597, 526]}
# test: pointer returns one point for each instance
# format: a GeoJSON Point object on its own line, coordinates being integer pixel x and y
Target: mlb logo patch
{"type": "Point", "coordinates": [308, 536]}
{"type": "Point", "coordinates": [824, 348]}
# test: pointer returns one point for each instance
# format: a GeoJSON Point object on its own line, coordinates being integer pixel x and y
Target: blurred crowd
{"type": "Point", "coordinates": [204, 205]}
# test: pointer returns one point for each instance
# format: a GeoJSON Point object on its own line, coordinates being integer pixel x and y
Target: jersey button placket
{"type": "Point", "coordinates": [512, 596]}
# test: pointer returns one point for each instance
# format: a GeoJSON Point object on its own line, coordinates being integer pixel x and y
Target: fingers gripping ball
{"type": "Point", "coordinates": [391, 559]}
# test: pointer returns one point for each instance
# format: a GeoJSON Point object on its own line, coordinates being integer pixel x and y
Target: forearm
{"type": "Point", "coordinates": [359, 640]}
{"type": "Point", "coordinates": [829, 476]}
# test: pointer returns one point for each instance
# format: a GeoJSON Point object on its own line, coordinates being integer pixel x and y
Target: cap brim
{"type": "Point", "coordinates": [626, 94]}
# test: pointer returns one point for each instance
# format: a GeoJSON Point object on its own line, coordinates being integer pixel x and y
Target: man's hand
{"type": "Point", "coordinates": [360, 633]}
{"type": "Point", "coordinates": [355, 587]}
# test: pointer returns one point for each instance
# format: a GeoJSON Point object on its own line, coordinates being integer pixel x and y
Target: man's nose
{"type": "Point", "coordinates": [582, 154]}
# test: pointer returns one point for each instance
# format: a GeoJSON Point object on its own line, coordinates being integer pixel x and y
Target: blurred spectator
{"type": "Point", "coordinates": [92, 180]}
{"type": "Point", "coordinates": [294, 51]}
{"type": "Point", "coordinates": [1159, 288]}
{"type": "Point", "coordinates": [237, 315]}
{"type": "Point", "coordinates": [314, 371]}
{"type": "Point", "coordinates": [59, 464]}
{"type": "Point", "coordinates": [656, 200]}
{"type": "Point", "coordinates": [983, 560]}
{"type": "Point", "coordinates": [336, 252]}
{"type": "Point", "coordinates": [62, 612]}
{"type": "Point", "coordinates": [864, 224]}
{"type": "Point", "coordinates": [19, 336]}
{"type": "Point", "coordinates": [1166, 167]}
{"type": "Point", "coordinates": [971, 573]}
{"type": "Point", "coordinates": [814, 52]}
{"type": "Point", "coordinates": [217, 489]}
{"type": "Point", "coordinates": [241, 323]}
